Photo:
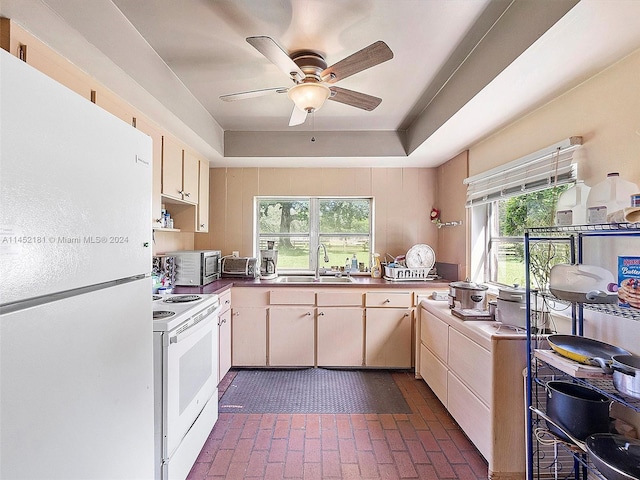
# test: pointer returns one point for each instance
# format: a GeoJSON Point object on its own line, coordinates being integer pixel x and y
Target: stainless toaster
{"type": "Point", "coordinates": [246, 267]}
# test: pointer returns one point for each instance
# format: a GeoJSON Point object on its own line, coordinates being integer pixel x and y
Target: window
{"type": "Point", "coordinates": [506, 200]}
{"type": "Point", "coordinates": [298, 225]}
{"type": "Point", "coordinates": [507, 221]}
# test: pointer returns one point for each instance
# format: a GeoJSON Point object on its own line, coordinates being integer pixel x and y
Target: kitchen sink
{"type": "Point", "coordinates": [310, 279]}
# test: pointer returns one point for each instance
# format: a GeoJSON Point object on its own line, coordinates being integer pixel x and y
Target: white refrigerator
{"type": "Point", "coordinates": [76, 357]}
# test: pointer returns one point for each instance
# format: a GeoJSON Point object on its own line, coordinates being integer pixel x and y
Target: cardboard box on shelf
{"type": "Point", "coordinates": [629, 282]}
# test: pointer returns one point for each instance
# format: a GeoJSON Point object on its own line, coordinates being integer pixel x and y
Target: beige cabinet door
{"type": "Point", "coordinates": [434, 334]}
{"type": "Point", "coordinates": [156, 139]}
{"type": "Point", "coordinates": [340, 337]}
{"type": "Point", "coordinates": [171, 168]}
{"type": "Point", "coordinates": [248, 337]}
{"type": "Point", "coordinates": [224, 344]}
{"type": "Point", "coordinates": [190, 177]}
{"type": "Point", "coordinates": [472, 364]}
{"type": "Point", "coordinates": [434, 372]}
{"type": "Point", "coordinates": [471, 414]}
{"type": "Point", "coordinates": [388, 337]}
{"type": "Point", "coordinates": [291, 336]}
{"type": "Point", "coordinates": [203, 198]}
{"type": "Point", "coordinates": [113, 104]}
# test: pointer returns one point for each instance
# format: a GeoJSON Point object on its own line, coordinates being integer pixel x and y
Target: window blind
{"type": "Point", "coordinates": [542, 169]}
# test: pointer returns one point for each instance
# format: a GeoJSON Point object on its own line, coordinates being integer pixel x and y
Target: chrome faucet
{"type": "Point", "coordinates": [326, 260]}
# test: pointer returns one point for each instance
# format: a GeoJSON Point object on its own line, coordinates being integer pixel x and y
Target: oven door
{"type": "Point", "coordinates": [210, 268]}
{"type": "Point", "coordinates": [191, 378]}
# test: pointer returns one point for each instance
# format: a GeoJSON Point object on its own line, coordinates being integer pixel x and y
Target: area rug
{"type": "Point", "coordinates": [313, 390]}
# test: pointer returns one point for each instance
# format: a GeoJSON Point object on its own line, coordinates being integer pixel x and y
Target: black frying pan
{"type": "Point", "coordinates": [585, 350]}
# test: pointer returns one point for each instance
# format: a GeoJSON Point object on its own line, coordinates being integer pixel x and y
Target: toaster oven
{"type": "Point", "coordinates": [243, 267]}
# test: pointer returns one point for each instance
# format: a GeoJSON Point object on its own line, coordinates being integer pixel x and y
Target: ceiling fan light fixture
{"type": "Point", "coordinates": [309, 97]}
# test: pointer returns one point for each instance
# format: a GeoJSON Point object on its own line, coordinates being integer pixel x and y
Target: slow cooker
{"type": "Point", "coordinates": [511, 306]}
{"type": "Point", "coordinates": [467, 295]}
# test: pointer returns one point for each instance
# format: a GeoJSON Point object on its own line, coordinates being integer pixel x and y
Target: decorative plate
{"type": "Point", "coordinates": [420, 256]}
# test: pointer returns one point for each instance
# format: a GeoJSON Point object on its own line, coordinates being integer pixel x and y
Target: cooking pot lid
{"type": "Point", "coordinates": [468, 285]}
{"type": "Point", "coordinates": [620, 454]}
{"type": "Point", "coordinates": [512, 294]}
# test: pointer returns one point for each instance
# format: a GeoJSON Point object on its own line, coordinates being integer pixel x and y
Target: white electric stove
{"type": "Point", "coordinates": [185, 349]}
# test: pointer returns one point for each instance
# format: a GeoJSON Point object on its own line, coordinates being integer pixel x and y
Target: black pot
{"type": "Point", "coordinates": [580, 410]}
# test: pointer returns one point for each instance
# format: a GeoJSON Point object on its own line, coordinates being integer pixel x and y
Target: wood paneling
{"type": "Point", "coordinates": [451, 198]}
{"type": "Point", "coordinates": [402, 201]}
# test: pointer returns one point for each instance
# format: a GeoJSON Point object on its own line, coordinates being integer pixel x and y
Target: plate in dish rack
{"type": "Point", "coordinates": [420, 256]}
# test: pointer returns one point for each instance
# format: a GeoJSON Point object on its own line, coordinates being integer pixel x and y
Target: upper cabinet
{"type": "Point", "coordinates": [203, 198]}
{"type": "Point", "coordinates": [185, 186]}
{"type": "Point", "coordinates": [180, 176]}
{"type": "Point", "coordinates": [155, 133]}
{"type": "Point", "coordinates": [172, 171]}
{"type": "Point", "coordinates": [190, 175]}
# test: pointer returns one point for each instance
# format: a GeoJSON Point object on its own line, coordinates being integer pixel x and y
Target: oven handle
{"type": "Point", "coordinates": [195, 328]}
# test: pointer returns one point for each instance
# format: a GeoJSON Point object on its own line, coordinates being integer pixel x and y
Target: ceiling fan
{"type": "Point", "coordinates": [309, 72]}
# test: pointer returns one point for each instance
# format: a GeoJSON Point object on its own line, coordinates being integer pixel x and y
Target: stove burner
{"type": "Point", "coordinates": [183, 299]}
{"type": "Point", "coordinates": [156, 297]}
{"type": "Point", "coordinates": [160, 314]}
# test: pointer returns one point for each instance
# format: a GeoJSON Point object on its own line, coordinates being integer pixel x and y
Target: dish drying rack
{"type": "Point", "coordinates": [398, 274]}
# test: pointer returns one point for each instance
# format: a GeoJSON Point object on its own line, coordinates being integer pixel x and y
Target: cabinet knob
{"type": "Point", "coordinates": [187, 194]}
{"type": "Point", "coordinates": [320, 314]}
{"type": "Point", "coordinates": [202, 225]}
{"type": "Point", "coordinates": [227, 302]}
{"type": "Point", "coordinates": [181, 192]}
{"type": "Point", "coordinates": [308, 314]}
{"type": "Point", "coordinates": [387, 301]}
{"type": "Point", "coordinates": [158, 220]}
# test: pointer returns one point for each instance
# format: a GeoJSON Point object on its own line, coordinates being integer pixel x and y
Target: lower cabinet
{"type": "Point", "coordinates": [340, 337]}
{"type": "Point", "coordinates": [224, 332]}
{"type": "Point", "coordinates": [292, 336]}
{"type": "Point", "coordinates": [472, 363]}
{"type": "Point", "coordinates": [388, 337]}
{"type": "Point", "coordinates": [435, 373]}
{"type": "Point", "coordinates": [249, 337]}
{"type": "Point", "coordinates": [478, 378]}
{"type": "Point", "coordinates": [473, 416]}
{"type": "Point", "coordinates": [332, 327]}
{"type": "Point", "coordinates": [224, 335]}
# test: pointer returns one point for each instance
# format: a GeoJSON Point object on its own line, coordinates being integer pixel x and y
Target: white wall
{"type": "Point", "coordinates": [604, 110]}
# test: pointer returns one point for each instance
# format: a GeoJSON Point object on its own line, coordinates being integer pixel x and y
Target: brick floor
{"type": "Point", "coordinates": [424, 444]}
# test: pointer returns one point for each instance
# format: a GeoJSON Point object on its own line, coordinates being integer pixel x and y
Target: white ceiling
{"type": "Point", "coordinates": [462, 69]}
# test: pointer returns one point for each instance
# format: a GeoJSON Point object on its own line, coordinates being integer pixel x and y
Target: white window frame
{"type": "Point", "coordinates": [552, 166]}
{"type": "Point", "coordinates": [314, 224]}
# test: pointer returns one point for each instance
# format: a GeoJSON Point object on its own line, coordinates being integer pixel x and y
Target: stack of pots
{"type": "Point", "coordinates": [626, 374]}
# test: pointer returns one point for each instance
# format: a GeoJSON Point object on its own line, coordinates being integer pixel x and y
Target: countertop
{"type": "Point", "coordinates": [360, 281]}
{"type": "Point", "coordinates": [481, 331]}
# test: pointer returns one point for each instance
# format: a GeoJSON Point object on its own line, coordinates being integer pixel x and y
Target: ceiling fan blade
{"type": "Point", "coordinates": [298, 117]}
{"type": "Point", "coordinates": [355, 99]}
{"type": "Point", "coordinates": [276, 55]}
{"type": "Point", "coordinates": [368, 57]}
{"type": "Point", "coordinates": [232, 97]}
